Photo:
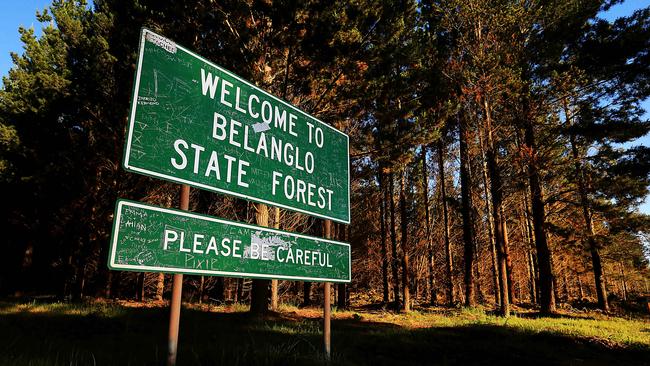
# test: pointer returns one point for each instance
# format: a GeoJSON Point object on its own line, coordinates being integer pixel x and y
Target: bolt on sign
{"type": "Point", "coordinates": [193, 122]}
{"type": "Point", "coordinates": [153, 239]}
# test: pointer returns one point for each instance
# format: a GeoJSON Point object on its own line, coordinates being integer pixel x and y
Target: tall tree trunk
{"type": "Point", "coordinates": [531, 244]}
{"type": "Point", "coordinates": [544, 255]}
{"type": "Point", "coordinates": [393, 239]}
{"type": "Point", "coordinates": [466, 212]}
{"type": "Point", "coordinates": [160, 287]}
{"type": "Point", "coordinates": [506, 252]}
{"type": "Point", "coordinates": [623, 281]}
{"type": "Point", "coordinates": [445, 218]}
{"type": "Point", "coordinates": [108, 287]}
{"type": "Point", "coordinates": [565, 284]}
{"type": "Point", "coordinates": [580, 289]}
{"type": "Point", "coordinates": [599, 275]}
{"type": "Point", "coordinates": [425, 192]}
{"type": "Point", "coordinates": [384, 250]}
{"type": "Point", "coordinates": [239, 291]}
{"type": "Point", "coordinates": [218, 290]}
{"type": "Point", "coordinates": [405, 254]}
{"type": "Point", "coordinates": [490, 223]}
{"type": "Point", "coordinates": [201, 288]}
{"type": "Point", "coordinates": [274, 283]}
{"type": "Point", "coordinates": [531, 277]}
{"type": "Point", "coordinates": [497, 202]}
{"type": "Point", "coordinates": [260, 289]}
{"type": "Point", "coordinates": [306, 294]}
{"type": "Point", "coordinates": [477, 268]}
{"type": "Point", "coordinates": [556, 293]}
{"type": "Point", "coordinates": [139, 294]}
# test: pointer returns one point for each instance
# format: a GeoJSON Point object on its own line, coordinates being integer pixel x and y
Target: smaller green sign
{"type": "Point", "coordinates": [153, 239]}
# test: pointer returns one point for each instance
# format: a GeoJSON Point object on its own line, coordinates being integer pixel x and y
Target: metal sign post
{"type": "Point", "coordinates": [327, 309]}
{"type": "Point", "coordinates": [177, 294]}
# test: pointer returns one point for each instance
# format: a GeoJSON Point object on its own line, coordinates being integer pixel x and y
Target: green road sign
{"type": "Point", "coordinates": [193, 122]}
{"type": "Point", "coordinates": [153, 239]}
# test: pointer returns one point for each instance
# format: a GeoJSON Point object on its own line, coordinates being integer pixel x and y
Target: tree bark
{"type": "Point", "coordinates": [306, 294]}
{"type": "Point", "coordinates": [623, 280]}
{"type": "Point", "coordinates": [431, 262]}
{"type": "Point", "coordinates": [218, 291]}
{"type": "Point", "coordinates": [445, 218]}
{"type": "Point", "coordinates": [274, 283]}
{"type": "Point", "coordinates": [384, 249]}
{"type": "Point", "coordinates": [506, 253]}
{"type": "Point", "coordinates": [139, 295]}
{"type": "Point", "coordinates": [531, 244]}
{"type": "Point", "coordinates": [580, 290]}
{"type": "Point", "coordinates": [599, 275]}
{"type": "Point", "coordinates": [108, 287]}
{"type": "Point", "coordinates": [260, 289]}
{"type": "Point", "coordinates": [497, 202]}
{"type": "Point", "coordinates": [544, 255]}
{"type": "Point", "coordinates": [201, 288]}
{"type": "Point", "coordinates": [393, 238]}
{"type": "Point", "coordinates": [406, 306]}
{"type": "Point", "coordinates": [490, 225]}
{"type": "Point", "coordinates": [160, 287]}
{"type": "Point", "coordinates": [239, 291]}
{"type": "Point", "coordinates": [466, 212]}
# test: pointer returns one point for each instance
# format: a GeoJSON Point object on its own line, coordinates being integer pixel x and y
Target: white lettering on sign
{"type": "Point", "coordinates": [272, 248]}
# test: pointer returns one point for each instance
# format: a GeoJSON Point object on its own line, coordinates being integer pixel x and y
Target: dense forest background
{"type": "Point", "coordinates": [490, 146]}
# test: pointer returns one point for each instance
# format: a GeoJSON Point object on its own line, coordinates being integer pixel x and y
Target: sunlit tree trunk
{"type": "Point", "coordinates": [384, 249]}
{"type": "Point", "coordinates": [445, 218]}
{"type": "Point", "coordinates": [274, 283]}
{"type": "Point", "coordinates": [599, 275]}
{"type": "Point", "coordinates": [160, 286]}
{"type": "Point", "coordinates": [490, 223]}
{"type": "Point", "coordinates": [497, 202]}
{"type": "Point", "coordinates": [425, 192]}
{"type": "Point", "coordinates": [393, 239]}
{"type": "Point", "coordinates": [623, 281]}
{"type": "Point", "coordinates": [466, 212]}
{"type": "Point", "coordinates": [260, 288]}
{"type": "Point", "coordinates": [506, 253]}
{"type": "Point", "coordinates": [538, 213]}
{"type": "Point", "coordinates": [406, 306]}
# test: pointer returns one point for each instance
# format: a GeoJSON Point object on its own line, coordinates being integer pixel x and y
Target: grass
{"type": "Point", "coordinates": [102, 333]}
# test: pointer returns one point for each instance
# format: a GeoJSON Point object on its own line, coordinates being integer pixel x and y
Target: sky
{"type": "Point", "coordinates": [23, 13]}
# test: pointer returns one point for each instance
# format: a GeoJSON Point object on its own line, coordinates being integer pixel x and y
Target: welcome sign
{"type": "Point", "coordinates": [193, 122]}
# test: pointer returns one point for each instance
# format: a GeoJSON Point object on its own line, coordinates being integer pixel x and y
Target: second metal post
{"type": "Point", "coordinates": [327, 310]}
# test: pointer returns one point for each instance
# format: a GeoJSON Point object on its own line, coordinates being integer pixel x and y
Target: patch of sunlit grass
{"type": "Point", "coordinates": [62, 308]}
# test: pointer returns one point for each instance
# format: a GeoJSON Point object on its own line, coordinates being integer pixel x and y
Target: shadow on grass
{"type": "Point", "coordinates": [137, 336]}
